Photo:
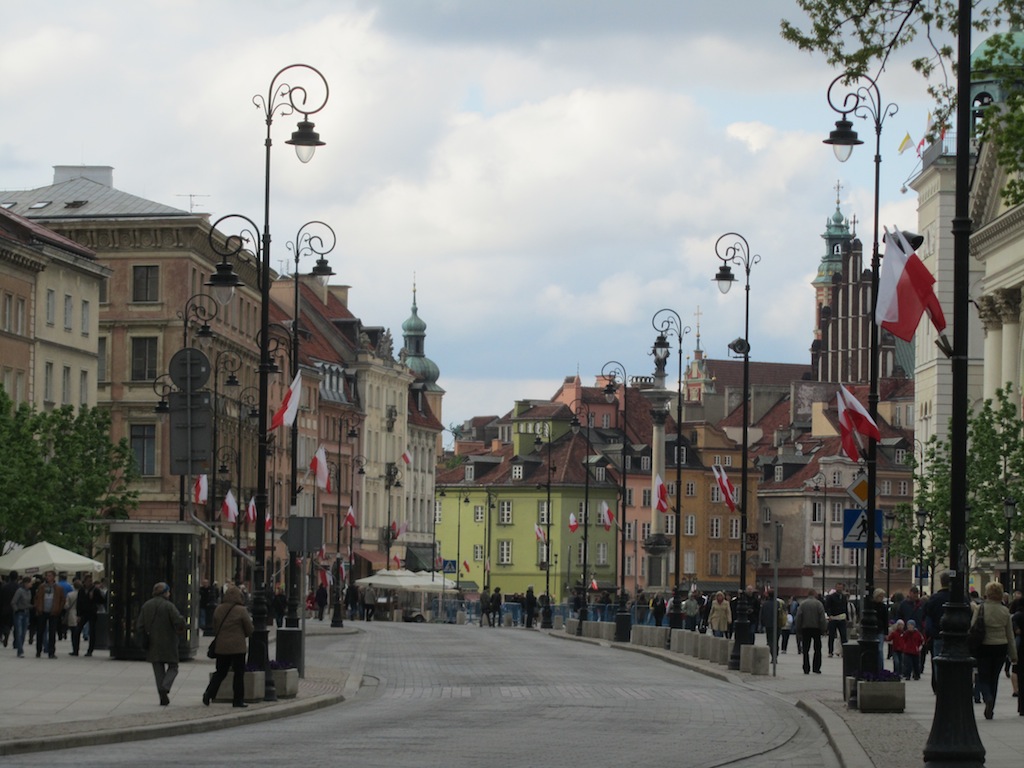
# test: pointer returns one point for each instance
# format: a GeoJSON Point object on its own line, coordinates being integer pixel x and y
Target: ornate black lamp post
{"type": "Point", "coordinates": [545, 613]}
{"type": "Point", "coordinates": [578, 407]}
{"type": "Point", "coordinates": [922, 524]}
{"type": "Point", "coordinates": [1009, 512]}
{"type": "Point", "coordinates": [889, 523]}
{"type": "Point", "coordinates": [821, 484]}
{"type": "Point", "coordinates": [865, 101]}
{"type": "Point", "coordinates": [732, 248]}
{"type": "Point", "coordinates": [612, 371]}
{"type": "Point", "coordinates": [285, 99]}
{"type": "Point", "coordinates": [667, 322]}
{"type": "Point", "coordinates": [392, 479]}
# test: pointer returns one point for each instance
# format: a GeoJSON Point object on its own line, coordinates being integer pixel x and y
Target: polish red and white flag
{"type": "Point", "coordinates": [350, 518]}
{"type": "Point", "coordinates": [465, 564]}
{"type": "Point", "coordinates": [662, 493]}
{"type": "Point", "coordinates": [725, 486]}
{"type": "Point", "coordinates": [201, 490]}
{"type": "Point", "coordinates": [538, 532]}
{"type": "Point", "coordinates": [605, 516]}
{"type": "Point", "coordinates": [318, 466]}
{"type": "Point", "coordinates": [854, 423]}
{"type": "Point", "coordinates": [290, 406]}
{"type": "Point", "coordinates": [268, 520]}
{"type": "Point", "coordinates": [397, 561]}
{"type": "Point", "coordinates": [229, 508]}
{"type": "Point", "coordinates": [905, 290]}
{"type": "Point", "coordinates": [250, 510]}
{"type": "Point", "coordinates": [406, 456]}
{"type": "Point", "coordinates": [573, 522]}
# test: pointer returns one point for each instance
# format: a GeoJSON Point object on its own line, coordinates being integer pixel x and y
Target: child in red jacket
{"type": "Point", "coordinates": [913, 641]}
{"type": "Point", "coordinates": [895, 640]}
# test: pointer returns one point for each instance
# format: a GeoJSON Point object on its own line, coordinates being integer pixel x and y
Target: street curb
{"type": "Point", "coordinates": [162, 730]}
{"type": "Point", "coordinates": [845, 745]}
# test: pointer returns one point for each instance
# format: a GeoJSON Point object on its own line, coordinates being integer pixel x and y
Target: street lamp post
{"type": "Point", "coordinates": [1009, 512]}
{"type": "Point", "coordinates": [821, 484]}
{"type": "Point", "coordinates": [865, 101]}
{"type": "Point", "coordinates": [737, 251]}
{"type": "Point", "coordinates": [922, 524]}
{"type": "Point", "coordinates": [285, 99]}
{"type": "Point", "coordinates": [890, 523]}
{"type": "Point", "coordinates": [671, 324]}
{"type": "Point", "coordinates": [545, 613]}
{"type": "Point", "coordinates": [579, 407]}
{"type": "Point", "coordinates": [392, 479]}
{"type": "Point", "coordinates": [612, 371]}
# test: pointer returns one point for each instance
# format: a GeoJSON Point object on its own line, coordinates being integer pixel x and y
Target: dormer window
{"type": "Point", "coordinates": [40, 204]}
{"type": "Point", "coordinates": [470, 472]}
{"type": "Point", "coordinates": [517, 471]}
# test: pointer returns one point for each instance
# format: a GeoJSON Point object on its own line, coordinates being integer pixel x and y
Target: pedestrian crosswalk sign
{"type": "Point", "coordinates": [855, 528]}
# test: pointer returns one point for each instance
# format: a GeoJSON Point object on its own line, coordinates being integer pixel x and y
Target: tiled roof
{"type": "Point", "coordinates": [22, 230]}
{"type": "Point", "coordinates": [729, 373]}
{"type": "Point", "coordinates": [82, 198]}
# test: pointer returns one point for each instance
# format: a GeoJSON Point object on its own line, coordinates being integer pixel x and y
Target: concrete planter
{"type": "Point", "coordinates": [286, 681]}
{"type": "Point", "coordinates": [253, 686]}
{"type": "Point", "coordinates": [881, 697]}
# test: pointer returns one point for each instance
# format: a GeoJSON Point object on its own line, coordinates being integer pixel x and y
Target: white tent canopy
{"type": "Point", "coordinates": [45, 556]}
{"type": "Point", "coordinates": [400, 578]}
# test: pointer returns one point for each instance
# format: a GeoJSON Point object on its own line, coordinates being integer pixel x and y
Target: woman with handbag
{"type": "Point", "coordinates": [232, 626]}
{"type": "Point", "coordinates": [997, 643]}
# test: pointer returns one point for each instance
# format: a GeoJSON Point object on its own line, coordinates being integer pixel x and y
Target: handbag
{"type": "Point", "coordinates": [211, 651]}
{"type": "Point", "coordinates": [976, 634]}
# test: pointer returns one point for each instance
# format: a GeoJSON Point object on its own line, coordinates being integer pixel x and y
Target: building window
{"type": "Point", "coordinates": [727, 461]}
{"type": "Point", "coordinates": [606, 420]}
{"type": "Point", "coordinates": [83, 388]}
{"type": "Point", "coordinates": [715, 564]}
{"type": "Point", "coordinates": [51, 306]}
{"type": "Point", "coordinates": [143, 444]}
{"type": "Point", "coordinates": [766, 515]}
{"type": "Point", "coordinates": [816, 512]}
{"type": "Point", "coordinates": [504, 552]}
{"type": "Point", "coordinates": [766, 556]}
{"type": "Point", "coordinates": [85, 317]}
{"type": "Point", "coordinates": [716, 494]}
{"type": "Point", "coordinates": [542, 553]}
{"type": "Point", "coordinates": [630, 530]}
{"type": "Point", "coordinates": [645, 531]}
{"type": "Point", "coordinates": [581, 513]}
{"type": "Point", "coordinates": [478, 513]}
{"type": "Point", "coordinates": [103, 290]}
{"type": "Point", "coordinates": [101, 358]}
{"type": "Point", "coordinates": [690, 525]}
{"type": "Point", "coordinates": [679, 454]}
{"type": "Point", "coordinates": [887, 487]}
{"type": "Point", "coordinates": [629, 497]}
{"type": "Point", "coordinates": [645, 497]}
{"type": "Point", "coordinates": [48, 383]}
{"type": "Point", "coordinates": [146, 284]}
{"type": "Point", "coordinates": [734, 527]}
{"type": "Point", "coordinates": [600, 474]}
{"type": "Point", "coordinates": [670, 525]}
{"type": "Point", "coordinates": [504, 513]}
{"type": "Point", "coordinates": [904, 488]}
{"type": "Point", "coordinates": [645, 463]}
{"type": "Point", "coordinates": [630, 565]}
{"type": "Point", "coordinates": [671, 488]}
{"type": "Point", "coordinates": [65, 386]}
{"type": "Point", "coordinates": [835, 554]}
{"type": "Point", "coordinates": [602, 553]}
{"type": "Point", "coordinates": [144, 358]}
{"type": "Point", "coordinates": [901, 455]}
{"type": "Point", "coordinates": [837, 478]}
{"type": "Point", "coordinates": [469, 473]}
{"type": "Point", "coordinates": [815, 554]}
{"type": "Point", "coordinates": [689, 561]}
{"type": "Point", "coordinates": [691, 488]}
{"type": "Point", "coordinates": [837, 513]}
{"type": "Point", "coordinates": [19, 316]}
{"type": "Point", "coordinates": [715, 528]}
{"type": "Point", "coordinates": [779, 474]}
{"type": "Point", "coordinates": [542, 512]}
{"type": "Point", "coordinates": [478, 553]}
{"type": "Point", "coordinates": [854, 558]}
{"type": "Point", "coordinates": [517, 471]}
{"type": "Point", "coordinates": [8, 319]}
{"type": "Point", "coordinates": [69, 310]}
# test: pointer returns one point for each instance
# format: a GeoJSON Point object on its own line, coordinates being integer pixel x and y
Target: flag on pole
{"type": "Point", "coordinates": [725, 486]}
{"type": "Point", "coordinates": [662, 493]}
{"type": "Point", "coordinates": [406, 457]}
{"type": "Point", "coordinates": [539, 532]}
{"type": "Point", "coordinates": [605, 516]}
{"type": "Point", "coordinates": [465, 564]}
{"type": "Point", "coordinates": [398, 562]}
{"type": "Point", "coordinates": [817, 551]}
{"type": "Point", "coordinates": [250, 510]}
{"type": "Point", "coordinates": [905, 290]}
{"type": "Point", "coordinates": [906, 144]}
{"type": "Point", "coordinates": [321, 553]}
{"type": "Point", "coordinates": [229, 508]}
{"type": "Point", "coordinates": [593, 584]}
{"type": "Point", "coordinates": [201, 490]}
{"type": "Point", "coordinates": [326, 579]}
{"type": "Point", "coordinates": [350, 518]}
{"type": "Point", "coordinates": [929, 124]}
{"type": "Point", "coordinates": [438, 562]}
{"type": "Point", "coordinates": [290, 406]}
{"type": "Point", "coordinates": [487, 565]}
{"type": "Point", "coordinates": [318, 466]}
{"type": "Point", "coordinates": [854, 423]}
{"type": "Point", "coordinates": [268, 521]}
{"type": "Point", "coordinates": [573, 522]}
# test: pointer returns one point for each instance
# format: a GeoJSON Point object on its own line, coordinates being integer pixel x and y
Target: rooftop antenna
{"type": "Point", "coordinates": [192, 200]}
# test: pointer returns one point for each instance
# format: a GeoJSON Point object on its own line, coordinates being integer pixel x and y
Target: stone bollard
{"type": "Point", "coordinates": [760, 664]}
{"type": "Point", "coordinates": [675, 640]}
{"type": "Point", "coordinates": [460, 617]}
{"type": "Point", "coordinates": [746, 658]}
{"type": "Point", "coordinates": [557, 621]}
{"type": "Point", "coordinates": [690, 642]}
{"type": "Point", "coordinates": [704, 645]}
{"type": "Point", "coordinates": [724, 648]}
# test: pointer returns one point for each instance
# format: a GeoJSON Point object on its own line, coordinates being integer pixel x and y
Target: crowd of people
{"type": "Point", "coordinates": [45, 609]}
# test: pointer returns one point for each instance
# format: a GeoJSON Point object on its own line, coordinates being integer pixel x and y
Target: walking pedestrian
{"type": "Point", "coordinates": [71, 614]}
{"type": "Point", "coordinates": [998, 643]}
{"type": "Point", "coordinates": [90, 599]}
{"type": "Point", "coordinates": [160, 623]}
{"type": "Point", "coordinates": [7, 592]}
{"type": "Point", "coordinates": [720, 616]}
{"type": "Point", "coordinates": [321, 602]}
{"type": "Point", "coordinates": [369, 602]}
{"type": "Point", "coordinates": [811, 624]}
{"type": "Point", "coordinates": [530, 606]}
{"type": "Point", "coordinates": [495, 616]}
{"type": "Point", "coordinates": [485, 607]}
{"type": "Point", "coordinates": [836, 606]}
{"type": "Point", "coordinates": [21, 607]}
{"type": "Point", "coordinates": [232, 626]}
{"type": "Point", "coordinates": [49, 605]}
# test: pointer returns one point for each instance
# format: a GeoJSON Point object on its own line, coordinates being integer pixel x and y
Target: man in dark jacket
{"type": "Point", "coordinates": [810, 626]}
{"type": "Point", "coordinates": [836, 605]}
{"type": "Point", "coordinates": [160, 621]}
{"type": "Point", "coordinates": [90, 598]}
{"type": "Point", "coordinates": [933, 610]}
{"type": "Point", "coordinates": [529, 606]}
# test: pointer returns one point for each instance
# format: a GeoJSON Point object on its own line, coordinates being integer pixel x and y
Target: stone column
{"type": "Point", "coordinates": [1008, 301]}
{"type": "Point", "coordinates": [993, 365]}
{"type": "Point", "coordinates": [657, 544]}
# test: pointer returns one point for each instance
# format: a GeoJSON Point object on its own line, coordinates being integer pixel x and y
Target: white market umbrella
{"type": "Point", "coordinates": [399, 578]}
{"type": "Point", "coordinates": [436, 584]}
{"type": "Point", "coordinates": [45, 556]}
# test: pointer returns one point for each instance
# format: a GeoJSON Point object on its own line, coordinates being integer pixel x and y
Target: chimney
{"type": "Point", "coordinates": [101, 174]}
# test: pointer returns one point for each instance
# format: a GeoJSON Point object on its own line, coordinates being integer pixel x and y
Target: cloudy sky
{"type": "Point", "coordinates": [552, 172]}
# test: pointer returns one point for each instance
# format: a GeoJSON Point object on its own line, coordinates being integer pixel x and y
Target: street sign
{"type": "Point", "coordinates": [855, 528]}
{"type": "Point", "coordinates": [304, 534]}
{"type": "Point", "coordinates": [450, 567]}
{"type": "Point", "coordinates": [858, 490]}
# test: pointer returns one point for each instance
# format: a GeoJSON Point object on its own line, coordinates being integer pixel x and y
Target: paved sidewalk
{"type": "Point", "coordinates": [99, 700]}
{"type": "Point", "coordinates": [861, 740]}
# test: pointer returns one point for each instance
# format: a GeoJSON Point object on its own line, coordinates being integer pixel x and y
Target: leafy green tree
{"type": "Point", "coordinates": [858, 35]}
{"type": "Point", "coordinates": [60, 472]}
{"type": "Point", "coordinates": [995, 472]}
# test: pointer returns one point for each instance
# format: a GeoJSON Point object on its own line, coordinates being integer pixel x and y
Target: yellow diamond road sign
{"type": "Point", "coordinates": [858, 490]}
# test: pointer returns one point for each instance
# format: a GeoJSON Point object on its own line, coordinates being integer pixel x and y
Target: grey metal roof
{"type": "Point", "coordinates": [82, 198]}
